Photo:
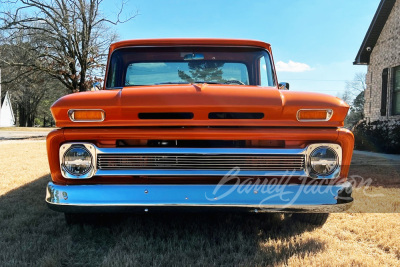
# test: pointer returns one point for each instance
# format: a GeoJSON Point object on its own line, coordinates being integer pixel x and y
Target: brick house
{"type": "Point", "coordinates": [380, 50]}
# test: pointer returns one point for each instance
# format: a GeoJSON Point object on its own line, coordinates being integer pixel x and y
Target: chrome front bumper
{"type": "Point", "coordinates": [148, 198]}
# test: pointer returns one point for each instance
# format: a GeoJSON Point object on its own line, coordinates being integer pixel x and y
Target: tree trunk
{"type": "Point", "coordinates": [22, 116]}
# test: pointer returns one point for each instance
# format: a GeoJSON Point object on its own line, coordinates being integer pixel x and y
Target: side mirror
{"type": "Point", "coordinates": [283, 86]}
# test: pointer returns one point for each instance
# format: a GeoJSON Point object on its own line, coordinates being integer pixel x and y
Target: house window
{"type": "Point", "coordinates": [396, 91]}
{"type": "Point", "coordinates": [385, 74]}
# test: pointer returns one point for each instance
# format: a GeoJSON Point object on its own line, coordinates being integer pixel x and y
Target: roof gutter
{"type": "Point", "coordinates": [374, 31]}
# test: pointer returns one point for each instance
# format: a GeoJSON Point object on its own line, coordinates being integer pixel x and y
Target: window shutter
{"type": "Point", "coordinates": [385, 74]}
{"type": "Point", "coordinates": [396, 91]}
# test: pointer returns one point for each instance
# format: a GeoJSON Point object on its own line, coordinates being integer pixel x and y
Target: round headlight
{"type": "Point", "coordinates": [323, 161]}
{"type": "Point", "coordinates": [77, 160]}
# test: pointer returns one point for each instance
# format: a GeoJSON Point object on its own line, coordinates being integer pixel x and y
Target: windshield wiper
{"type": "Point", "coordinates": [171, 83]}
{"type": "Point", "coordinates": [205, 82]}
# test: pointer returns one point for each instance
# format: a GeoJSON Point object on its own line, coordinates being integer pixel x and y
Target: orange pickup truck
{"type": "Point", "coordinates": [198, 124]}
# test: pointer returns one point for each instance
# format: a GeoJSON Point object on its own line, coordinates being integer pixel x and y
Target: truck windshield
{"type": "Point", "coordinates": [185, 65]}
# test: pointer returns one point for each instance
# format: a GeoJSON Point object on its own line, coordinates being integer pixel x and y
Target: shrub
{"type": "Point", "coordinates": [378, 136]}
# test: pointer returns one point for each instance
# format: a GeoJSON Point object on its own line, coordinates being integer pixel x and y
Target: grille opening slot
{"type": "Point", "coordinates": [196, 143]}
{"type": "Point", "coordinates": [202, 143]}
{"type": "Point", "coordinates": [166, 116]}
{"type": "Point", "coordinates": [235, 115]}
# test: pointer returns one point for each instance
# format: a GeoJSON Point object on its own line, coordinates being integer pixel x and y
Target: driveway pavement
{"type": "Point", "coordinates": [393, 157]}
{"type": "Point", "coordinates": [21, 135]}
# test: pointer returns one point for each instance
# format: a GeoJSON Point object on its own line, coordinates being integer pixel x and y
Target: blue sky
{"type": "Point", "coordinates": [317, 38]}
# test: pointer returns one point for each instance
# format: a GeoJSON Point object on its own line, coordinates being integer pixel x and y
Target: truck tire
{"type": "Point", "coordinates": [316, 219]}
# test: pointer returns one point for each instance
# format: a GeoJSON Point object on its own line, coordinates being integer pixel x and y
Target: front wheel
{"type": "Point", "coordinates": [316, 219]}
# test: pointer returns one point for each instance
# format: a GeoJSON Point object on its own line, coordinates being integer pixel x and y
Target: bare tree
{"type": "Point", "coordinates": [28, 90]}
{"type": "Point", "coordinates": [357, 85]}
{"type": "Point", "coordinates": [346, 96]}
{"type": "Point", "coordinates": [69, 39]}
{"type": "Point", "coordinates": [354, 92]}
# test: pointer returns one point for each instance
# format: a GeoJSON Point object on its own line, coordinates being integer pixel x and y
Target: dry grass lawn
{"type": "Point", "coordinates": [31, 234]}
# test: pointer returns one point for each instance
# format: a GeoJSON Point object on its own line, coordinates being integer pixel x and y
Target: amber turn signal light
{"type": "Point", "coordinates": [314, 114]}
{"type": "Point", "coordinates": [86, 115]}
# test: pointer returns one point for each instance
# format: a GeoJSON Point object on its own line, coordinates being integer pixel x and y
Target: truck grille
{"type": "Point", "coordinates": [280, 162]}
{"type": "Point", "coordinates": [187, 162]}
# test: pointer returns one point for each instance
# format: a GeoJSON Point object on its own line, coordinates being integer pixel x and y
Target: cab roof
{"type": "Point", "coordinates": [190, 42]}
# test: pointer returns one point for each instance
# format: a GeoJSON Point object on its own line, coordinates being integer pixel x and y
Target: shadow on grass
{"type": "Point", "coordinates": [31, 234]}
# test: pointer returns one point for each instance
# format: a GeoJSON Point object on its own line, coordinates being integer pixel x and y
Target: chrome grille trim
{"type": "Point", "coordinates": [182, 161]}
{"type": "Point", "coordinates": [200, 161]}
{"type": "Point", "coordinates": [221, 173]}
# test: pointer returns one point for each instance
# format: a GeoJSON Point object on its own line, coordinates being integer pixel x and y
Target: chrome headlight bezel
{"type": "Point", "coordinates": [89, 148]}
{"type": "Point", "coordinates": [335, 172]}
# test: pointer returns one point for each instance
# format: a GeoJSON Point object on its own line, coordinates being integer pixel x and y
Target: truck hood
{"type": "Point", "coordinates": [198, 105]}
